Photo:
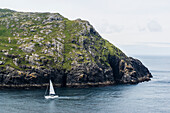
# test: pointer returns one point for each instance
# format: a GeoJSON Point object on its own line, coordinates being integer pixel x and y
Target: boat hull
{"type": "Point", "coordinates": [51, 97]}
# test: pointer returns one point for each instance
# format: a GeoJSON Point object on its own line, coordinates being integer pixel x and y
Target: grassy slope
{"type": "Point", "coordinates": [102, 48]}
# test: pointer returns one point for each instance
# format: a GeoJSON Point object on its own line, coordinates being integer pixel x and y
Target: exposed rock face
{"type": "Point", "coordinates": [36, 47]}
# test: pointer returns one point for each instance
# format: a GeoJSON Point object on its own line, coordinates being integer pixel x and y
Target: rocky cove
{"type": "Point", "coordinates": [36, 47]}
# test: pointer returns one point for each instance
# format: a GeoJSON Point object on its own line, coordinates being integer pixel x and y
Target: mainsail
{"type": "Point", "coordinates": [52, 92]}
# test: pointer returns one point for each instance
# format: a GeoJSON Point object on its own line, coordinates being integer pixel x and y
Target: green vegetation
{"type": "Point", "coordinates": [48, 40]}
{"type": "Point", "coordinates": [6, 10]}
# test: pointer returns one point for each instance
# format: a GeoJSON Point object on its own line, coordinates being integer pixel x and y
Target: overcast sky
{"type": "Point", "coordinates": [138, 27]}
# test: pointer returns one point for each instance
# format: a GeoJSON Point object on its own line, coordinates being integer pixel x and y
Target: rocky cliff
{"type": "Point", "coordinates": [36, 47]}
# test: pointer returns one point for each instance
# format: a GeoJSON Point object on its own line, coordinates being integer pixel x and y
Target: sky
{"type": "Point", "coordinates": [137, 27]}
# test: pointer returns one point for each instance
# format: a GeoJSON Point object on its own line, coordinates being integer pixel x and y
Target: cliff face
{"type": "Point", "coordinates": [37, 46]}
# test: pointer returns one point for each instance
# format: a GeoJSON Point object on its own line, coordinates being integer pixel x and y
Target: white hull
{"type": "Point", "coordinates": [51, 96]}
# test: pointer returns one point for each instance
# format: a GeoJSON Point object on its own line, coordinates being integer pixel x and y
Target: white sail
{"type": "Point", "coordinates": [52, 92]}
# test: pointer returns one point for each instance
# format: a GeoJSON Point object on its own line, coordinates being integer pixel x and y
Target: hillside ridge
{"type": "Point", "coordinates": [36, 47]}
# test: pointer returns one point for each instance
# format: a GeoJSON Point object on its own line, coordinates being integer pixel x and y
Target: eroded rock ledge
{"type": "Point", "coordinates": [85, 75]}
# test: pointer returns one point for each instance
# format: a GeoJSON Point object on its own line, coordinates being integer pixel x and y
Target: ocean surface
{"type": "Point", "coordinates": [146, 97]}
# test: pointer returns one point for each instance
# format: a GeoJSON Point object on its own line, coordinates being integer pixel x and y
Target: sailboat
{"type": "Point", "coordinates": [51, 94]}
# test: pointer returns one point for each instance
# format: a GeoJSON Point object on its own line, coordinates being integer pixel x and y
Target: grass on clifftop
{"type": "Point", "coordinates": [60, 42]}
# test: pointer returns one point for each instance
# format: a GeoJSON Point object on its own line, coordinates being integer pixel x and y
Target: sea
{"type": "Point", "coordinates": [146, 97]}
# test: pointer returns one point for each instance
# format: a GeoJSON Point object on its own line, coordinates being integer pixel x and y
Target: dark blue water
{"type": "Point", "coordinates": [147, 97]}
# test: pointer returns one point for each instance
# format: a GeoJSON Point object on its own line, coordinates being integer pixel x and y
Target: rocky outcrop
{"type": "Point", "coordinates": [129, 70]}
{"type": "Point", "coordinates": [36, 47]}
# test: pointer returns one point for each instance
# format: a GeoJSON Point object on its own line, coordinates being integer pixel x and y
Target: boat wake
{"type": "Point", "coordinates": [71, 98]}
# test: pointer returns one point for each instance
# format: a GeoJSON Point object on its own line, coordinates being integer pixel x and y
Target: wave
{"type": "Point", "coordinates": [163, 82]}
{"type": "Point", "coordinates": [71, 98]}
{"type": "Point", "coordinates": [160, 71]}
